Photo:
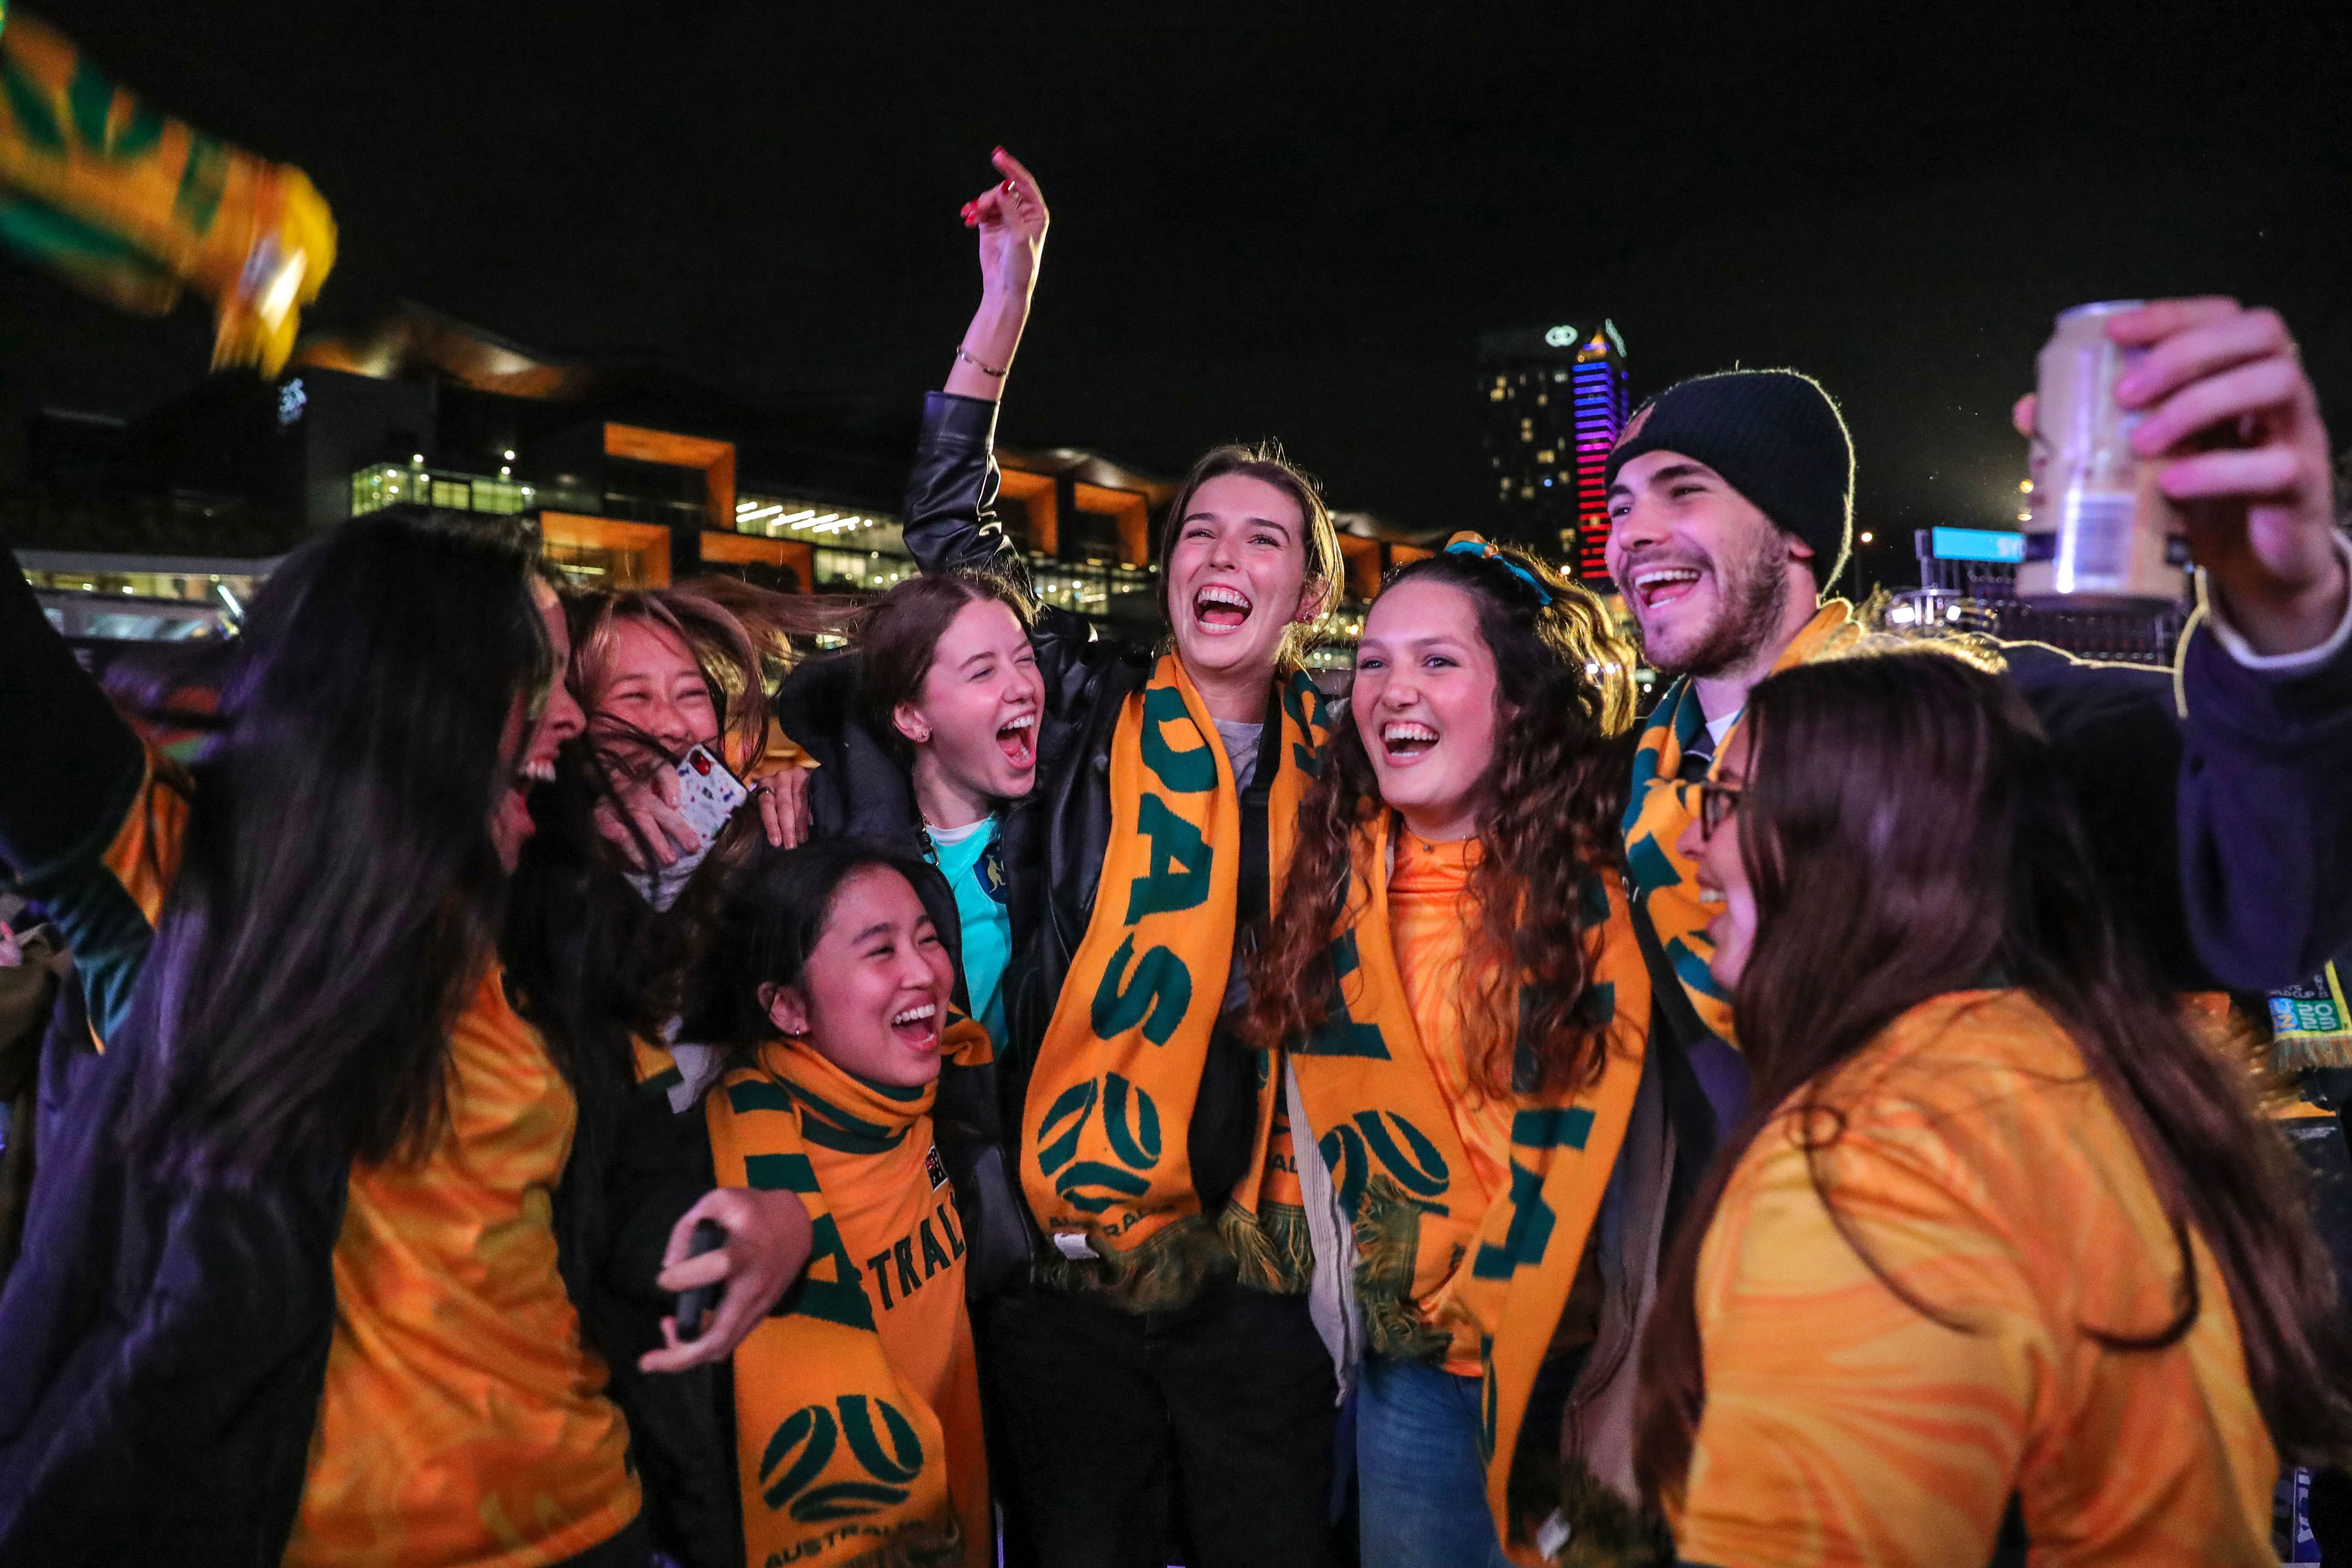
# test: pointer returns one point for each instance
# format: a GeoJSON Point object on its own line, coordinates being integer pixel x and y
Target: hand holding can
{"type": "Point", "coordinates": [2102, 533]}
{"type": "Point", "coordinates": [2227, 420]}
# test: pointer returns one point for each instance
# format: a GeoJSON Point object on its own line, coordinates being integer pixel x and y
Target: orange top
{"type": "Point", "coordinates": [464, 1421]}
{"type": "Point", "coordinates": [1431, 918]}
{"type": "Point", "coordinates": [1982, 1169]}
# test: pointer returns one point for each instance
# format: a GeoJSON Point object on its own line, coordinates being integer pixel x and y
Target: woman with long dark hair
{"type": "Point", "coordinates": [293, 1286]}
{"type": "Point", "coordinates": [2002, 1255]}
{"type": "Point", "coordinates": [1464, 1010]}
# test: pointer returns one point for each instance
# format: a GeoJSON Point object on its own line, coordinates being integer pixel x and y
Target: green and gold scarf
{"type": "Point", "coordinates": [132, 206]}
{"type": "Point", "coordinates": [1662, 807]}
{"type": "Point", "coordinates": [1104, 1158]}
{"type": "Point", "coordinates": [1434, 1250]}
{"type": "Point", "coordinates": [839, 1461]}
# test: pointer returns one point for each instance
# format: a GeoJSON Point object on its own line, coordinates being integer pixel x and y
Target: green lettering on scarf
{"type": "Point", "coordinates": [839, 1299]}
{"type": "Point", "coordinates": [1156, 998]}
{"type": "Point", "coordinates": [811, 1424]}
{"type": "Point", "coordinates": [1180, 772]}
{"type": "Point", "coordinates": [1137, 1145]}
{"type": "Point", "coordinates": [1078, 1103]}
{"type": "Point", "coordinates": [1176, 873]}
{"type": "Point", "coordinates": [1424, 1171]}
{"type": "Point", "coordinates": [1530, 1234]}
{"type": "Point", "coordinates": [30, 106]}
{"type": "Point", "coordinates": [904, 1462]}
{"type": "Point", "coordinates": [89, 99]}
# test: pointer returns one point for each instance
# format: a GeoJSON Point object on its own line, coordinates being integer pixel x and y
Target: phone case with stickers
{"type": "Point", "coordinates": [707, 793]}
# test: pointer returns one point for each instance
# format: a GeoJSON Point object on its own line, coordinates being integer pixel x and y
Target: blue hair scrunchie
{"type": "Point", "coordinates": [1485, 550]}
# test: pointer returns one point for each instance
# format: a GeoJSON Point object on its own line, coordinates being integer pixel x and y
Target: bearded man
{"type": "Point", "coordinates": [2214, 792]}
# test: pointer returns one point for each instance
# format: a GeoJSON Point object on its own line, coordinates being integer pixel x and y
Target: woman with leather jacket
{"type": "Point", "coordinates": [1140, 1253]}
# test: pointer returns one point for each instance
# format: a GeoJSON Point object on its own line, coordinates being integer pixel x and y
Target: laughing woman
{"type": "Point", "coordinates": [2003, 1254]}
{"type": "Point", "coordinates": [924, 736]}
{"type": "Point", "coordinates": [1465, 1011]}
{"type": "Point", "coordinates": [1159, 1327]}
{"type": "Point", "coordinates": [855, 1405]}
{"type": "Point", "coordinates": [298, 1285]}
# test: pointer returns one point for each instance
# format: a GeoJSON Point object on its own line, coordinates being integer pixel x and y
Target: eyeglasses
{"type": "Point", "coordinates": [1717, 801]}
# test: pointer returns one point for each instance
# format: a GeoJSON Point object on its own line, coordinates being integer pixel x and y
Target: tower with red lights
{"type": "Point", "coordinates": [1555, 401]}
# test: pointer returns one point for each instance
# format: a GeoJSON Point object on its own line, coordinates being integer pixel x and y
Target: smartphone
{"type": "Point", "coordinates": [695, 1304]}
{"type": "Point", "coordinates": [708, 795]}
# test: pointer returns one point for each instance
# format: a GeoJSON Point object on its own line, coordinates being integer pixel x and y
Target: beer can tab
{"type": "Point", "coordinates": [1074, 1245]}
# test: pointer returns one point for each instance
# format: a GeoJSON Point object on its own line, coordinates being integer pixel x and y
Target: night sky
{"type": "Point", "coordinates": [1273, 220]}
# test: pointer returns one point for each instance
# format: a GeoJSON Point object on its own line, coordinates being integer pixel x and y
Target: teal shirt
{"type": "Point", "coordinates": [977, 875]}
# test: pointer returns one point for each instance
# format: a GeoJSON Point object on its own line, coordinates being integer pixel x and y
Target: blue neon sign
{"type": "Point", "coordinates": [1977, 545]}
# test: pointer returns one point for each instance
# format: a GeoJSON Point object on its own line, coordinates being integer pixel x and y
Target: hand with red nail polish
{"type": "Point", "coordinates": [1011, 219]}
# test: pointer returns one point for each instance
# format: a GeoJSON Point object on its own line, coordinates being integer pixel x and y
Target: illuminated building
{"type": "Point", "coordinates": [161, 526]}
{"type": "Point", "coordinates": [1554, 402]}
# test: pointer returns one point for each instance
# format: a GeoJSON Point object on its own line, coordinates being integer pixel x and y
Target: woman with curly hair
{"type": "Point", "coordinates": [1466, 1012]}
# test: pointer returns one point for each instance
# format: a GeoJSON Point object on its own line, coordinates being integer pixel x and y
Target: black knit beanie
{"type": "Point", "coordinates": [1774, 436]}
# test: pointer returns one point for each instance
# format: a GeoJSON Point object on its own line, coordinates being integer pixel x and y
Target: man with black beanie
{"type": "Point", "coordinates": [2223, 823]}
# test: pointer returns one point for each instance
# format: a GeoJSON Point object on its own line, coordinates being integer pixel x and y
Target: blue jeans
{"type": "Point", "coordinates": [1421, 1484]}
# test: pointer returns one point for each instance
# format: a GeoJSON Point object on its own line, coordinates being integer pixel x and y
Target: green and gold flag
{"type": "Point", "coordinates": [133, 206]}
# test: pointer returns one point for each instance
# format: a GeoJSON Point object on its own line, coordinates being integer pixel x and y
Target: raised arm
{"type": "Point", "coordinates": [1011, 219]}
{"type": "Point", "coordinates": [2265, 812]}
{"type": "Point", "coordinates": [2262, 812]}
{"type": "Point", "coordinates": [951, 491]}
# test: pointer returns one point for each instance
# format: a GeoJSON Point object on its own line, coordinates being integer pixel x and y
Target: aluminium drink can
{"type": "Point", "coordinates": [2100, 534]}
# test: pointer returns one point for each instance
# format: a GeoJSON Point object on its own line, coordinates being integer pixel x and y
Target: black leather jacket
{"type": "Point", "coordinates": [1053, 841]}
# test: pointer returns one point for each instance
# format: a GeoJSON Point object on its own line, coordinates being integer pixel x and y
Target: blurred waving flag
{"type": "Point", "coordinates": [133, 206]}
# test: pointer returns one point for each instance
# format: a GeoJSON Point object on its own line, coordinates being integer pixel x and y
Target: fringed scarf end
{"type": "Point", "coordinates": [1273, 1251]}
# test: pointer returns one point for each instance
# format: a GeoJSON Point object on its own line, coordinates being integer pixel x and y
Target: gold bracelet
{"type": "Point", "coordinates": [982, 366]}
